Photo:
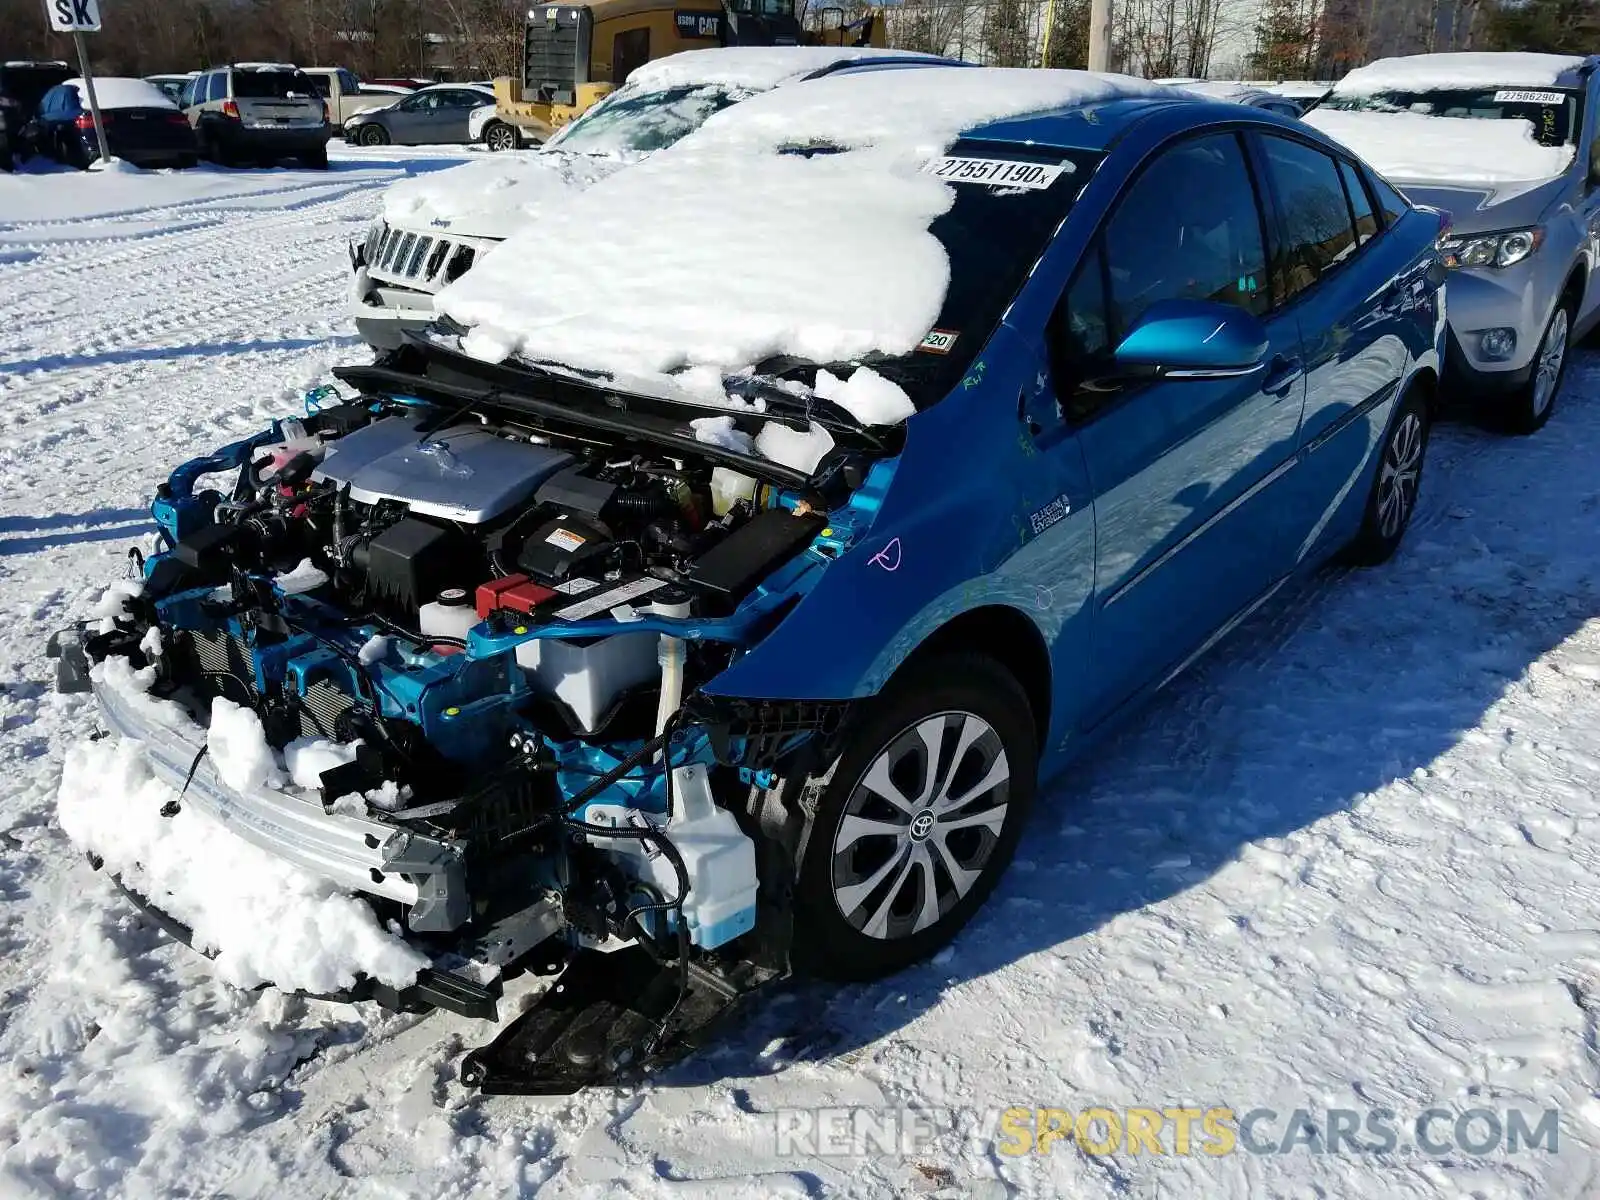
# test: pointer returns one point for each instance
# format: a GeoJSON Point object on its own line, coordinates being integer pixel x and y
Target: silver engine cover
{"type": "Point", "coordinates": [461, 473]}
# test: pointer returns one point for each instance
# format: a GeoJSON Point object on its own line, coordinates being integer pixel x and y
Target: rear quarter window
{"type": "Point", "coordinates": [1390, 203]}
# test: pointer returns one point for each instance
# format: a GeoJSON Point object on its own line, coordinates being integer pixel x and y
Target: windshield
{"type": "Point", "coordinates": [993, 235]}
{"type": "Point", "coordinates": [273, 85]}
{"type": "Point", "coordinates": [644, 121]}
{"type": "Point", "coordinates": [1553, 112]}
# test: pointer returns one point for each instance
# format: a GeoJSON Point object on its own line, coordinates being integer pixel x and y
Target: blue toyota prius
{"type": "Point", "coordinates": [681, 715]}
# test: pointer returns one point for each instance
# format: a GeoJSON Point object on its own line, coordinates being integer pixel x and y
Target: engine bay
{"type": "Point", "coordinates": [500, 631]}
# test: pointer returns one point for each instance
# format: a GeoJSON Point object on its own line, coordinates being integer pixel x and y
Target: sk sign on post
{"type": "Point", "coordinates": [74, 16]}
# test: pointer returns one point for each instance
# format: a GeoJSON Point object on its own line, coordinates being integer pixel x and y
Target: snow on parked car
{"type": "Point", "coordinates": [1500, 142]}
{"type": "Point", "coordinates": [434, 229]}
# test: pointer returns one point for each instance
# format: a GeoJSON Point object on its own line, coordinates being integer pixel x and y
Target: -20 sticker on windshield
{"type": "Point", "coordinates": [997, 172]}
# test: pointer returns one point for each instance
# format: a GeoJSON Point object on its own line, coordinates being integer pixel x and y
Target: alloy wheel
{"type": "Point", "coordinates": [501, 138]}
{"type": "Point", "coordinates": [373, 135]}
{"type": "Point", "coordinates": [921, 825]}
{"type": "Point", "coordinates": [1552, 355]}
{"type": "Point", "coordinates": [1397, 481]}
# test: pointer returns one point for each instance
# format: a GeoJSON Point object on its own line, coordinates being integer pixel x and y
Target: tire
{"type": "Point", "coordinates": [859, 904]}
{"type": "Point", "coordinates": [498, 137]}
{"type": "Point", "coordinates": [316, 159]}
{"type": "Point", "coordinates": [219, 152]}
{"type": "Point", "coordinates": [187, 161]}
{"type": "Point", "coordinates": [373, 135]}
{"type": "Point", "coordinates": [1393, 499]}
{"type": "Point", "coordinates": [1530, 409]}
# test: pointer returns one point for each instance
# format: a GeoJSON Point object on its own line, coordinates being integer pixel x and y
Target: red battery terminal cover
{"type": "Point", "coordinates": [515, 592]}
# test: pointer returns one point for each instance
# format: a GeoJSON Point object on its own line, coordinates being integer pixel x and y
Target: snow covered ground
{"type": "Point", "coordinates": [1350, 863]}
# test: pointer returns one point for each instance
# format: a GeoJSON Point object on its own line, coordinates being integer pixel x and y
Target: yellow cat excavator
{"type": "Point", "coordinates": [574, 54]}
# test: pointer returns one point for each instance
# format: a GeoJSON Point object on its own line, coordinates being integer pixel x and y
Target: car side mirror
{"type": "Point", "coordinates": [1193, 339]}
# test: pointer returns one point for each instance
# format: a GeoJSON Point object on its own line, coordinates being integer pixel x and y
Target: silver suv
{"type": "Point", "coordinates": [1509, 145]}
{"type": "Point", "coordinates": [258, 112]}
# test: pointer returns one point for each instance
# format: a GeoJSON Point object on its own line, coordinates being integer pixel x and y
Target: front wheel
{"type": "Point", "coordinates": [373, 135]}
{"type": "Point", "coordinates": [919, 819]}
{"type": "Point", "coordinates": [500, 137]}
{"type": "Point", "coordinates": [1393, 498]}
{"type": "Point", "coordinates": [1530, 409]}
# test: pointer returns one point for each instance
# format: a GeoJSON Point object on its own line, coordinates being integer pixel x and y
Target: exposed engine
{"type": "Point", "coordinates": [494, 621]}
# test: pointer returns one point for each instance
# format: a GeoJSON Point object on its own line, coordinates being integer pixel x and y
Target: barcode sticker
{"type": "Point", "coordinates": [606, 601]}
{"type": "Point", "coordinates": [997, 172]}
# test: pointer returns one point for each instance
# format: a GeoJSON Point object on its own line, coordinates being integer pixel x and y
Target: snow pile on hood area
{"type": "Point", "coordinates": [1412, 147]}
{"type": "Point", "coordinates": [723, 251]}
{"type": "Point", "coordinates": [1428, 72]}
{"type": "Point", "coordinates": [498, 196]}
{"type": "Point", "coordinates": [261, 919]}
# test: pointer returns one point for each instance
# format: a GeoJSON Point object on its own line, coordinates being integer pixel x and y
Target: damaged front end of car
{"type": "Point", "coordinates": [499, 601]}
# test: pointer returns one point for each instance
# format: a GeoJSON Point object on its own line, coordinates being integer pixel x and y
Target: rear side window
{"type": "Point", "coordinates": [1360, 203]}
{"type": "Point", "coordinates": [217, 87]}
{"type": "Point", "coordinates": [1317, 231]}
{"type": "Point", "coordinates": [1188, 228]}
{"type": "Point", "coordinates": [1389, 202]}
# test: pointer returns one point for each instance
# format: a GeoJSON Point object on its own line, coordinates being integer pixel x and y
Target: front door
{"type": "Point", "coordinates": [1187, 533]}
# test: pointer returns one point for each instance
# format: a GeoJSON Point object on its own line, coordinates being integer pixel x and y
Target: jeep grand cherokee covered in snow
{"type": "Point", "coordinates": [731, 626]}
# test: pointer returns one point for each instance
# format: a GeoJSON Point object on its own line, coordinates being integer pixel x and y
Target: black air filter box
{"type": "Point", "coordinates": [412, 561]}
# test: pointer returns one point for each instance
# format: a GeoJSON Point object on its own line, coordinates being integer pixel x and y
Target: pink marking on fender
{"type": "Point", "coordinates": [889, 557]}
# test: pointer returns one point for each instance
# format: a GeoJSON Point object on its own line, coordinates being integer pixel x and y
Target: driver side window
{"type": "Point", "coordinates": [1189, 227]}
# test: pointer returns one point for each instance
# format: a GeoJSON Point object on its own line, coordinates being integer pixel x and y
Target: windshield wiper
{"type": "Point", "coordinates": [779, 400]}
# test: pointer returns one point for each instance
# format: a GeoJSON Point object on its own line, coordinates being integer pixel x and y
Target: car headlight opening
{"type": "Point", "coordinates": [1491, 249]}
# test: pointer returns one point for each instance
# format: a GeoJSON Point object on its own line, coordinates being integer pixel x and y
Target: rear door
{"type": "Point", "coordinates": [449, 122]}
{"type": "Point", "coordinates": [1355, 295]}
{"type": "Point", "coordinates": [1184, 470]}
{"type": "Point", "coordinates": [276, 100]}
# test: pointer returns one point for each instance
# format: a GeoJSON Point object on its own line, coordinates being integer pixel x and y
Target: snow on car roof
{"type": "Point", "coordinates": [1414, 148]}
{"type": "Point", "coordinates": [755, 68]}
{"type": "Point", "coordinates": [114, 92]}
{"type": "Point", "coordinates": [500, 194]}
{"type": "Point", "coordinates": [723, 250]}
{"type": "Point", "coordinates": [1424, 72]}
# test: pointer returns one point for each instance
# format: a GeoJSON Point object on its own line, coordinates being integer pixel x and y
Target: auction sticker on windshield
{"type": "Point", "coordinates": [1512, 96]}
{"type": "Point", "coordinates": [997, 172]}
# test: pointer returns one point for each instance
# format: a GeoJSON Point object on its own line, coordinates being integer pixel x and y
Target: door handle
{"type": "Point", "coordinates": [1283, 373]}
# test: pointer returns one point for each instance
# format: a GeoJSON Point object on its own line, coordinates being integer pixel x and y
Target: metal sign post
{"type": "Point", "coordinates": [94, 101]}
{"type": "Point", "coordinates": [79, 17]}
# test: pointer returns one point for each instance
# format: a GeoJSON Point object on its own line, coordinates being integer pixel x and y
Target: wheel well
{"type": "Point", "coordinates": [1009, 638]}
{"type": "Point", "coordinates": [1573, 289]}
{"type": "Point", "coordinates": [1428, 382]}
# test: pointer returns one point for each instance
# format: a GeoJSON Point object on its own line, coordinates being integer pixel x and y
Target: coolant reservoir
{"type": "Point", "coordinates": [450, 616]}
{"type": "Point", "coordinates": [728, 488]}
